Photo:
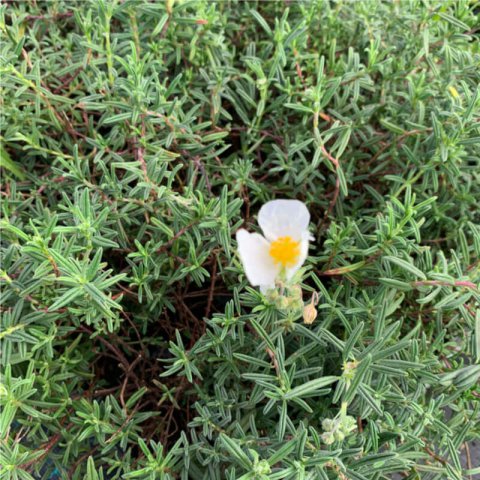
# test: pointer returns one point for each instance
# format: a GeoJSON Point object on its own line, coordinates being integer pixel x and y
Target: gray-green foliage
{"type": "Point", "coordinates": [137, 137]}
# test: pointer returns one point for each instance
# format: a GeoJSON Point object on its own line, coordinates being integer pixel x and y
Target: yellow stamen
{"type": "Point", "coordinates": [285, 250]}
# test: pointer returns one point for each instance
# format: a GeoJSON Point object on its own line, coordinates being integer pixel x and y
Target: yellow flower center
{"type": "Point", "coordinates": [285, 250]}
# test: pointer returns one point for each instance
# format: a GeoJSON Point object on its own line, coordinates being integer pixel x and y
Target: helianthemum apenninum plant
{"type": "Point", "coordinates": [240, 240]}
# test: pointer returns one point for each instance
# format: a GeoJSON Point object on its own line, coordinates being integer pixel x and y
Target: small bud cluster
{"type": "Point", "coordinates": [337, 429]}
{"type": "Point", "coordinates": [349, 370]}
{"type": "Point", "coordinates": [262, 468]}
{"type": "Point", "coordinates": [286, 297]}
{"type": "Point", "coordinates": [290, 298]}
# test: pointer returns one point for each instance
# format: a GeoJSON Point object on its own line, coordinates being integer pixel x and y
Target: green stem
{"type": "Point", "coordinates": [408, 182]}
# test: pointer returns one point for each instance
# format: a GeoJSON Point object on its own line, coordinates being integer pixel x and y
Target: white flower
{"type": "Point", "coordinates": [283, 249]}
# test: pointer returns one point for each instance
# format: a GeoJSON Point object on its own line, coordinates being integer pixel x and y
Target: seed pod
{"type": "Point", "coordinates": [309, 314]}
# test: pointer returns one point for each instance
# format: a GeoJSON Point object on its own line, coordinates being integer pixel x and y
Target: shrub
{"type": "Point", "coordinates": [137, 138]}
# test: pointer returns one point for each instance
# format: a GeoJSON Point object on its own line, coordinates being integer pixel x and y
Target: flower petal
{"type": "Point", "coordinates": [257, 262]}
{"type": "Point", "coordinates": [291, 271]}
{"type": "Point", "coordinates": [282, 218]}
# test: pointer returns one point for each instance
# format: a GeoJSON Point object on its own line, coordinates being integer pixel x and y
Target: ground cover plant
{"type": "Point", "coordinates": [137, 138]}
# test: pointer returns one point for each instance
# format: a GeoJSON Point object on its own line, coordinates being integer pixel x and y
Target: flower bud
{"type": "Point", "coordinates": [262, 468]}
{"type": "Point", "coordinates": [328, 438]}
{"type": "Point", "coordinates": [309, 314]}
{"type": "Point", "coordinates": [296, 291]}
{"type": "Point", "coordinates": [328, 424]}
{"type": "Point", "coordinates": [272, 294]}
{"type": "Point", "coordinates": [296, 304]}
{"type": "Point", "coordinates": [339, 436]}
{"type": "Point", "coordinates": [281, 302]}
{"type": "Point", "coordinates": [348, 424]}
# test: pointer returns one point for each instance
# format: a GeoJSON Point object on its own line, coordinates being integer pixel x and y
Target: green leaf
{"type": "Point", "coordinates": [404, 265]}
{"type": "Point", "coordinates": [67, 298]}
{"type": "Point", "coordinates": [477, 336]}
{"type": "Point", "coordinates": [360, 373]}
{"type": "Point", "coordinates": [299, 108]}
{"type": "Point", "coordinates": [235, 451]}
{"type": "Point", "coordinates": [454, 21]}
{"type": "Point", "coordinates": [7, 415]}
{"type": "Point", "coordinates": [261, 21]}
{"type": "Point", "coordinates": [310, 387]}
{"type": "Point", "coordinates": [262, 334]}
{"type": "Point", "coordinates": [8, 164]}
{"type": "Point", "coordinates": [282, 452]}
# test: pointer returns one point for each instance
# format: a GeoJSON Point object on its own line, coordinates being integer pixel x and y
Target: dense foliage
{"type": "Point", "coordinates": [137, 137]}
